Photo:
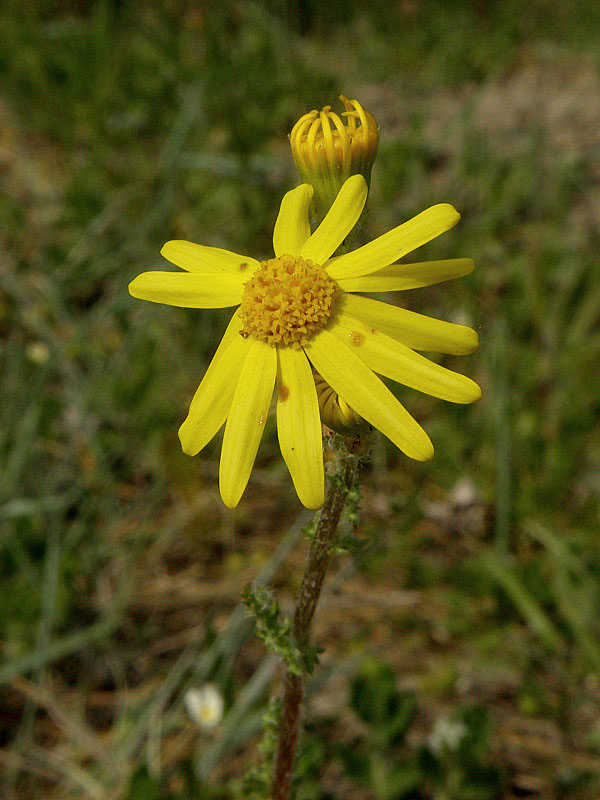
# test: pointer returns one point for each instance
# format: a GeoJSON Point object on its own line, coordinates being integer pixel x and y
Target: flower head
{"type": "Point", "coordinates": [298, 315]}
{"type": "Point", "coordinates": [205, 705]}
{"type": "Point", "coordinates": [328, 150]}
{"type": "Point", "coordinates": [447, 734]}
{"type": "Point", "coordinates": [335, 411]}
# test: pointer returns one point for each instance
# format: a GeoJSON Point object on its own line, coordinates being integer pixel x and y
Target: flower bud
{"type": "Point", "coordinates": [335, 411]}
{"type": "Point", "coordinates": [328, 150]}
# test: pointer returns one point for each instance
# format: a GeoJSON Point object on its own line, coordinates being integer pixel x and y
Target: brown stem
{"type": "Point", "coordinates": [338, 486]}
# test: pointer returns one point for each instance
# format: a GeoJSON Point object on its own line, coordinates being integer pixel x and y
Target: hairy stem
{"type": "Point", "coordinates": [339, 483]}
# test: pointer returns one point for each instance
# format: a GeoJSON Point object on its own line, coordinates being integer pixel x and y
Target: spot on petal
{"type": "Point", "coordinates": [244, 266]}
{"type": "Point", "coordinates": [283, 392]}
{"type": "Point", "coordinates": [357, 338]}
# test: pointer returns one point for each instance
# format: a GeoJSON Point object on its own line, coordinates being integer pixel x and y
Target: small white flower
{"type": "Point", "coordinates": [464, 494]}
{"type": "Point", "coordinates": [447, 734]}
{"type": "Point", "coordinates": [37, 352]}
{"type": "Point", "coordinates": [204, 705]}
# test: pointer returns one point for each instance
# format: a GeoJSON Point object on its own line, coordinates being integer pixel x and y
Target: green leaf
{"type": "Point", "coordinates": [273, 629]}
{"type": "Point", "coordinates": [377, 701]}
{"type": "Point", "coordinates": [143, 786]}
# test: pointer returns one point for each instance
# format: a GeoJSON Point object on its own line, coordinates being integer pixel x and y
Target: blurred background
{"type": "Point", "coordinates": [469, 618]}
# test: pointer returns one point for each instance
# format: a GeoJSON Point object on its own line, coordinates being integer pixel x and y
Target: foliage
{"type": "Point", "coordinates": [256, 784]}
{"type": "Point", "coordinates": [275, 632]}
{"type": "Point", "coordinates": [144, 786]}
{"type": "Point", "coordinates": [454, 765]}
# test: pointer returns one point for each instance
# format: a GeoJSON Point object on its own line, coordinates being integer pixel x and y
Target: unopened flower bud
{"type": "Point", "coordinates": [328, 150]}
{"type": "Point", "coordinates": [335, 411]}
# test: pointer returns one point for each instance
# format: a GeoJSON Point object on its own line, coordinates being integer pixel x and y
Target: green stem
{"type": "Point", "coordinates": [339, 483]}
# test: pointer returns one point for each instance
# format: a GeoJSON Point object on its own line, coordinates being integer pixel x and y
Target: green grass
{"type": "Point", "coordinates": [123, 125]}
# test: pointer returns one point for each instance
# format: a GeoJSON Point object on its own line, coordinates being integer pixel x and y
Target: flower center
{"type": "Point", "coordinates": [286, 301]}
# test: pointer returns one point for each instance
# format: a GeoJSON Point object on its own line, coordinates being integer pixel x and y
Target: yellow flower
{"type": "Point", "coordinates": [328, 150]}
{"type": "Point", "coordinates": [300, 309]}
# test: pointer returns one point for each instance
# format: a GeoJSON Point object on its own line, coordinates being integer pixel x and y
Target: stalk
{"type": "Point", "coordinates": [339, 483]}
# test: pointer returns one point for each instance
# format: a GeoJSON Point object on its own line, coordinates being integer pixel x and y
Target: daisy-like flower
{"type": "Point", "coordinates": [205, 705]}
{"type": "Point", "coordinates": [301, 309]}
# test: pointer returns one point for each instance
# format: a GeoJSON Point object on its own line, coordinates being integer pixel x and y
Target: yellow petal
{"type": "Point", "coordinates": [188, 290]}
{"type": "Point", "coordinates": [394, 244]}
{"type": "Point", "coordinates": [246, 420]}
{"type": "Point", "coordinates": [393, 359]}
{"type": "Point", "coordinates": [292, 228]}
{"type": "Point", "coordinates": [199, 258]}
{"type": "Point", "coordinates": [352, 379]}
{"type": "Point", "coordinates": [398, 277]}
{"type": "Point", "coordinates": [414, 330]}
{"type": "Point", "coordinates": [211, 403]}
{"type": "Point", "coordinates": [338, 222]}
{"type": "Point", "coordinates": [299, 425]}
